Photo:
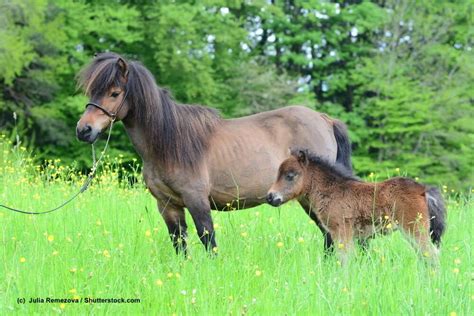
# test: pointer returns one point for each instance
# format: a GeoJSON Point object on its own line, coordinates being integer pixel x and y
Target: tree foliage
{"type": "Point", "coordinates": [398, 72]}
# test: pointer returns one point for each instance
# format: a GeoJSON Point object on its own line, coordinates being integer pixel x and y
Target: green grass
{"type": "Point", "coordinates": [111, 242]}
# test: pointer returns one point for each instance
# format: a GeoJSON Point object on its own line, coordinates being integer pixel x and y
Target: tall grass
{"type": "Point", "coordinates": [112, 243]}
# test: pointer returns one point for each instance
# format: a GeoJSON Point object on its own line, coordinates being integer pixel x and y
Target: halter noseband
{"type": "Point", "coordinates": [112, 116]}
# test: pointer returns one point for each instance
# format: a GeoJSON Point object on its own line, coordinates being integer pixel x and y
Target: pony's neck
{"type": "Point", "coordinates": [137, 135]}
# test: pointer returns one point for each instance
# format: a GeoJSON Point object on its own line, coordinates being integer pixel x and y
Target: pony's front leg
{"type": "Point", "coordinates": [174, 217]}
{"type": "Point", "coordinates": [200, 211]}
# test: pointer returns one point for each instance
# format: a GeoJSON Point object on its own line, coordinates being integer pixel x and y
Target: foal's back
{"type": "Point", "coordinates": [404, 200]}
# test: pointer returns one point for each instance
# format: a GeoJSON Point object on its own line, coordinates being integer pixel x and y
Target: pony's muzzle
{"type": "Point", "coordinates": [86, 134]}
{"type": "Point", "coordinates": [274, 199]}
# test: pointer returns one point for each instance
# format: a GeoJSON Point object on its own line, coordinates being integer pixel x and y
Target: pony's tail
{"type": "Point", "coordinates": [343, 144]}
{"type": "Point", "coordinates": [437, 211]}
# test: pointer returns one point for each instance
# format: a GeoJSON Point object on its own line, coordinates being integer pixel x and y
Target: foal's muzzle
{"type": "Point", "coordinates": [274, 199]}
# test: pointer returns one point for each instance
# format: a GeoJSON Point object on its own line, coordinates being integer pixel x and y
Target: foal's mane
{"type": "Point", "coordinates": [177, 133]}
{"type": "Point", "coordinates": [334, 170]}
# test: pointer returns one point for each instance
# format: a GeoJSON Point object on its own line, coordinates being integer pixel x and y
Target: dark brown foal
{"type": "Point", "coordinates": [349, 208]}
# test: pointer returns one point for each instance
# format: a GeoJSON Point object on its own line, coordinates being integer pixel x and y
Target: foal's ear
{"type": "Point", "coordinates": [123, 66]}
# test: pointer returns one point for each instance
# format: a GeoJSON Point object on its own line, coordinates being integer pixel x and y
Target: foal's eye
{"type": "Point", "coordinates": [115, 94]}
{"type": "Point", "coordinates": [290, 176]}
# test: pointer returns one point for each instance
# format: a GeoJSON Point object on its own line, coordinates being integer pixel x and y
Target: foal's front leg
{"type": "Point", "coordinates": [200, 211]}
{"type": "Point", "coordinates": [328, 242]}
{"type": "Point", "coordinates": [344, 242]}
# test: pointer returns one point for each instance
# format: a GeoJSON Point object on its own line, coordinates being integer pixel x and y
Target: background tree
{"type": "Point", "coordinates": [399, 73]}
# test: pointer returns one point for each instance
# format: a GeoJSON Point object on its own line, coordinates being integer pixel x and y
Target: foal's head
{"type": "Point", "coordinates": [290, 179]}
{"type": "Point", "coordinates": [104, 82]}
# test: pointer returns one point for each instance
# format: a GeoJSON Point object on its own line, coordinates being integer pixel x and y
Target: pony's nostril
{"type": "Point", "coordinates": [84, 132]}
{"type": "Point", "coordinates": [269, 197]}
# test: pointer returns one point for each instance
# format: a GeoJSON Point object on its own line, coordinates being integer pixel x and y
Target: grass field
{"type": "Point", "coordinates": [112, 243]}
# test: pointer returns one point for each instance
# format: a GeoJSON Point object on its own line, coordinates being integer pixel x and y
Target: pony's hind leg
{"type": "Point", "coordinates": [175, 220]}
{"type": "Point", "coordinates": [200, 211]}
{"type": "Point", "coordinates": [328, 242]}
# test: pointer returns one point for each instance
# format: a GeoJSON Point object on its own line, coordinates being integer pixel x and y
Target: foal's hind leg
{"type": "Point", "coordinates": [328, 242]}
{"type": "Point", "coordinates": [175, 220]}
{"type": "Point", "coordinates": [363, 244]}
{"type": "Point", "coordinates": [417, 231]}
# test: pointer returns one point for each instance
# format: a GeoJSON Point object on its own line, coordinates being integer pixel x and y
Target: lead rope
{"type": "Point", "coordinates": [83, 188]}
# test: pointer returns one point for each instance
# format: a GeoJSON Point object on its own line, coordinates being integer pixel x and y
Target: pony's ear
{"type": "Point", "coordinates": [123, 66]}
{"type": "Point", "coordinates": [302, 156]}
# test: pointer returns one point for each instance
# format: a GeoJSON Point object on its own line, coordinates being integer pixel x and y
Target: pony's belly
{"type": "Point", "coordinates": [222, 201]}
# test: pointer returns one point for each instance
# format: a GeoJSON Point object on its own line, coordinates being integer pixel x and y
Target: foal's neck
{"type": "Point", "coordinates": [322, 180]}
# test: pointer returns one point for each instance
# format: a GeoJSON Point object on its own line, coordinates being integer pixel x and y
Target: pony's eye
{"type": "Point", "coordinates": [115, 94]}
{"type": "Point", "coordinates": [290, 176]}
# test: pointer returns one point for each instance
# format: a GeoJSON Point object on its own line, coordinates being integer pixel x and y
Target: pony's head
{"type": "Point", "coordinates": [290, 179]}
{"type": "Point", "coordinates": [104, 81]}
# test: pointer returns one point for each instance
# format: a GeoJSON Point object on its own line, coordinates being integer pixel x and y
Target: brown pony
{"type": "Point", "coordinates": [191, 156]}
{"type": "Point", "coordinates": [349, 208]}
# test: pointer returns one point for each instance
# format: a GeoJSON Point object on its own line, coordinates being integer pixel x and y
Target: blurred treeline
{"type": "Point", "coordinates": [399, 73]}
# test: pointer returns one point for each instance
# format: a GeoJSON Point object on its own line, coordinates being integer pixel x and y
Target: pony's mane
{"type": "Point", "coordinates": [178, 133]}
{"type": "Point", "coordinates": [335, 170]}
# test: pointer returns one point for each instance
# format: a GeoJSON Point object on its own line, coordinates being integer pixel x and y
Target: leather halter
{"type": "Point", "coordinates": [112, 116]}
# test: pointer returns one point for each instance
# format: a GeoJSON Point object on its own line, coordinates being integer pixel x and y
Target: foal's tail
{"type": "Point", "coordinates": [437, 212]}
{"type": "Point", "coordinates": [343, 144]}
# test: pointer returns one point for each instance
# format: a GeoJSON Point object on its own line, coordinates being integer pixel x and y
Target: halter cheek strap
{"type": "Point", "coordinates": [113, 116]}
